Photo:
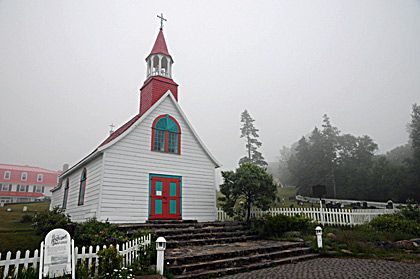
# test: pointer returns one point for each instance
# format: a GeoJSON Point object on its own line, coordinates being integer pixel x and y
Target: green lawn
{"type": "Point", "coordinates": [15, 235]}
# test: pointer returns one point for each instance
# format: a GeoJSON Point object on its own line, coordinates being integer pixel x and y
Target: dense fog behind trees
{"type": "Point", "coordinates": [348, 166]}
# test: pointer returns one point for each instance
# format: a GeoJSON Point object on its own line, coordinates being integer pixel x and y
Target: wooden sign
{"type": "Point", "coordinates": [57, 257]}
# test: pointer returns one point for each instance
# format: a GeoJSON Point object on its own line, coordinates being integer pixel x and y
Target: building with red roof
{"type": "Point", "coordinates": [25, 183]}
{"type": "Point", "coordinates": [152, 167]}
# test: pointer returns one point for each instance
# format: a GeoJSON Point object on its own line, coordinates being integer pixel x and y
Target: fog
{"type": "Point", "coordinates": [69, 69]}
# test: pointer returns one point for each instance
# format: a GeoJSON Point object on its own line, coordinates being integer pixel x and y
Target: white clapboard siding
{"type": "Point", "coordinates": [80, 213]}
{"type": "Point", "coordinates": [128, 163]}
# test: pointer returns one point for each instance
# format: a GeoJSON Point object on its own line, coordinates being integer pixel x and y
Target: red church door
{"type": "Point", "coordinates": [165, 197]}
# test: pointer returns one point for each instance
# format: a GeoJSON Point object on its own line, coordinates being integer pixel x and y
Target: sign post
{"type": "Point", "coordinates": [319, 191]}
{"type": "Point", "coordinates": [57, 257]}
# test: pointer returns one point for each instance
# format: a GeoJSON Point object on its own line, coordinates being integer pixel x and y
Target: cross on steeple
{"type": "Point", "coordinates": [161, 20]}
{"type": "Point", "coordinates": [112, 128]}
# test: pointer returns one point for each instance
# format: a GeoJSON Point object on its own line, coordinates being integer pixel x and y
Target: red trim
{"type": "Point", "coordinates": [84, 187]}
{"type": "Point", "coordinates": [166, 134]}
{"type": "Point", "coordinates": [21, 194]}
{"type": "Point", "coordinates": [66, 192]}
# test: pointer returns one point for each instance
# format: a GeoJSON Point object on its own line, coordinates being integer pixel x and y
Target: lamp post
{"type": "Point", "coordinates": [160, 248]}
{"type": "Point", "coordinates": [318, 231]}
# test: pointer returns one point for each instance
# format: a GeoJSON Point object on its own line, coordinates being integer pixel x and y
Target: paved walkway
{"type": "Point", "coordinates": [336, 268]}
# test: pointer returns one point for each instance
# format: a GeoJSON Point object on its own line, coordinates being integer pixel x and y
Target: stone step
{"type": "Point", "coordinates": [177, 224]}
{"type": "Point", "coordinates": [237, 261]}
{"type": "Point", "coordinates": [170, 221]}
{"type": "Point", "coordinates": [187, 255]}
{"type": "Point", "coordinates": [210, 241]}
{"type": "Point", "coordinates": [207, 235]}
{"type": "Point", "coordinates": [236, 269]}
{"type": "Point", "coordinates": [192, 230]}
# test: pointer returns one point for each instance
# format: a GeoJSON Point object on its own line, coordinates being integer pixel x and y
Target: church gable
{"type": "Point", "coordinates": [131, 161]}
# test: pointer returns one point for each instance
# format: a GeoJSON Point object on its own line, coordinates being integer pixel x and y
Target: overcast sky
{"type": "Point", "coordinates": [68, 69]}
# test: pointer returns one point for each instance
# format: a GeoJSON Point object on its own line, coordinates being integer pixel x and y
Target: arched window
{"type": "Point", "coordinates": [66, 193]}
{"type": "Point", "coordinates": [166, 135]}
{"type": "Point", "coordinates": [82, 187]}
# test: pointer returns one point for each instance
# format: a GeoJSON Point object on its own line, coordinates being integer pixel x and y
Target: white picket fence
{"type": "Point", "coordinates": [128, 250]}
{"type": "Point", "coordinates": [325, 216]}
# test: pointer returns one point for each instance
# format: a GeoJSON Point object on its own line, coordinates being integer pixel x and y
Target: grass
{"type": "Point", "coordinates": [362, 241]}
{"type": "Point", "coordinates": [15, 235]}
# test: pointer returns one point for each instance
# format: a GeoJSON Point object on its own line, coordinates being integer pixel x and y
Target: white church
{"type": "Point", "coordinates": [153, 167]}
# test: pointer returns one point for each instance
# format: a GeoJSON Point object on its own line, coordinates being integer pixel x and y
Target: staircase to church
{"type": "Point", "coordinates": [211, 249]}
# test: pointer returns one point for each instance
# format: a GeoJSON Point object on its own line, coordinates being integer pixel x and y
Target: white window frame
{"type": "Point", "coordinates": [20, 187]}
{"type": "Point", "coordinates": [24, 176]}
{"type": "Point", "coordinates": [5, 187]}
{"type": "Point", "coordinates": [38, 189]}
{"type": "Point", "coordinates": [40, 177]}
{"type": "Point", "coordinates": [7, 175]}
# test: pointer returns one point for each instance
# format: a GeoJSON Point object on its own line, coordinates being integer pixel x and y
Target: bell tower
{"type": "Point", "coordinates": [158, 75]}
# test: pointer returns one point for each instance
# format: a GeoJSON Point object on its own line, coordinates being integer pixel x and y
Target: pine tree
{"type": "Point", "coordinates": [250, 133]}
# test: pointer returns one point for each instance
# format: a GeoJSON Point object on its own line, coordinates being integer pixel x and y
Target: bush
{"type": "Point", "coordinates": [109, 260]}
{"type": "Point", "coordinates": [94, 232]}
{"type": "Point", "coordinates": [276, 226]}
{"type": "Point", "coordinates": [407, 220]}
{"type": "Point", "coordinates": [26, 218]}
{"type": "Point", "coordinates": [49, 220]}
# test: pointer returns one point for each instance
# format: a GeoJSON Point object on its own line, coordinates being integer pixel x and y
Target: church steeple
{"type": "Point", "coordinates": [158, 75]}
{"type": "Point", "coordinates": [159, 61]}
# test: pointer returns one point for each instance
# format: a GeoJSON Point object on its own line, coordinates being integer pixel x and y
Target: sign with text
{"type": "Point", "coordinates": [57, 259]}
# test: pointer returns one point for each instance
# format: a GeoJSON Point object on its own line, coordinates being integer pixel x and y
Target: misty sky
{"type": "Point", "coordinates": [68, 69]}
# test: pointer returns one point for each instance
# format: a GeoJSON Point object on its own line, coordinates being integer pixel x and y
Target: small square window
{"type": "Point", "coordinates": [7, 175]}
{"type": "Point", "coordinates": [24, 176]}
{"type": "Point", "coordinates": [39, 178]}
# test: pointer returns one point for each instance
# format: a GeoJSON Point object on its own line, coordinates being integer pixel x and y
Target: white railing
{"type": "Point", "coordinates": [128, 250]}
{"type": "Point", "coordinates": [325, 216]}
{"type": "Point", "coordinates": [348, 202]}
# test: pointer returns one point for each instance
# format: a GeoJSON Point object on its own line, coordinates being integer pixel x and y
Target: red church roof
{"type": "Point", "coordinates": [120, 130]}
{"type": "Point", "coordinates": [160, 46]}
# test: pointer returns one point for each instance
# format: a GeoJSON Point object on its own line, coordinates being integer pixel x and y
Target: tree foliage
{"type": "Point", "coordinates": [249, 184]}
{"type": "Point", "coordinates": [347, 165]}
{"type": "Point", "coordinates": [250, 133]}
{"type": "Point", "coordinates": [49, 220]}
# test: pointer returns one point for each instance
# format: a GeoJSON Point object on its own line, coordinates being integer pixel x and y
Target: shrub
{"type": "Point", "coordinates": [49, 220]}
{"type": "Point", "coordinates": [94, 232]}
{"type": "Point", "coordinates": [407, 220]}
{"type": "Point", "coordinates": [109, 260]}
{"type": "Point", "coordinates": [26, 218]}
{"type": "Point", "coordinates": [276, 226]}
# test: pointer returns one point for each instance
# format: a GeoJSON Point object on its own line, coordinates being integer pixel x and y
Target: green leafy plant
{"type": "Point", "coordinates": [49, 220]}
{"type": "Point", "coordinates": [26, 218]}
{"type": "Point", "coordinates": [94, 232]}
{"type": "Point", "coordinates": [277, 226]}
{"type": "Point", "coordinates": [407, 220]}
{"type": "Point", "coordinates": [109, 260]}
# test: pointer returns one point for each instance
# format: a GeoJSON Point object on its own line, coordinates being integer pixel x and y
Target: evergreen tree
{"type": "Point", "coordinates": [415, 138]}
{"type": "Point", "coordinates": [249, 184]}
{"type": "Point", "coordinates": [250, 133]}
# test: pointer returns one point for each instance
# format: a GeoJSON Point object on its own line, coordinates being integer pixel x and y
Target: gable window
{"type": "Point", "coordinates": [39, 178]}
{"type": "Point", "coordinates": [166, 135]}
{"type": "Point", "coordinates": [24, 176]}
{"type": "Point", "coordinates": [66, 193]}
{"type": "Point", "coordinates": [7, 175]}
{"type": "Point", "coordinates": [82, 188]}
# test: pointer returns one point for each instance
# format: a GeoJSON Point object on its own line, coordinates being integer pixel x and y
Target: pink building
{"type": "Point", "coordinates": [25, 184]}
